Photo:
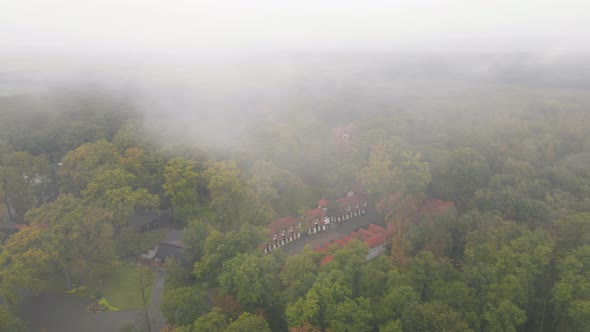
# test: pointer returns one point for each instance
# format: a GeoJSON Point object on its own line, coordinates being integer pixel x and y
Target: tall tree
{"type": "Point", "coordinates": [194, 235]}
{"type": "Point", "coordinates": [213, 321]}
{"type": "Point", "coordinates": [181, 180]}
{"type": "Point", "coordinates": [25, 262]}
{"type": "Point", "coordinates": [220, 248]}
{"type": "Point", "coordinates": [252, 279]}
{"type": "Point", "coordinates": [248, 322]}
{"type": "Point", "coordinates": [81, 165]}
{"type": "Point", "coordinates": [504, 262]}
{"type": "Point", "coordinates": [571, 293]}
{"type": "Point", "coordinates": [112, 190]}
{"type": "Point", "coordinates": [393, 167]}
{"type": "Point", "coordinates": [298, 275]}
{"type": "Point", "coordinates": [461, 175]}
{"type": "Point", "coordinates": [147, 167]}
{"type": "Point", "coordinates": [352, 315]}
{"type": "Point", "coordinates": [25, 181]}
{"type": "Point", "coordinates": [433, 316]}
{"type": "Point", "coordinates": [75, 235]}
{"type": "Point", "coordinates": [228, 192]}
{"type": "Point", "coordinates": [9, 321]}
{"type": "Point", "coordinates": [330, 289]}
{"type": "Point", "coordinates": [183, 305]}
{"type": "Point", "coordinates": [399, 211]}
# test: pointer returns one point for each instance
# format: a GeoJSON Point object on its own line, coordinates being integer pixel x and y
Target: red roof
{"type": "Point", "coordinates": [354, 235]}
{"type": "Point", "coordinates": [323, 202]}
{"type": "Point", "coordinates": [282, 224]}
{"type": "Point", "coordinates": [339, 242]}
{"type": "Point", "coordinates": [326, 260]}
{"type": "Point", "coordinates": [435, 206]}
{"type": "Point", "coordinates": [365, 233]}
{"type": "Point", "coordinates": [376, 229]}
{"type": "Point", "coordinates": [351, 201]}
{"type": "Point", "coordinates": [346, 239]}
{"type": "Point", "coordinates": [318, 213]}
{"type": "Point", "coordinates": [375, 240]}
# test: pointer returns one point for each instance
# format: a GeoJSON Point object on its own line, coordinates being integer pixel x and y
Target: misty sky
{"type": "Point", "coordinates": [182, 26]}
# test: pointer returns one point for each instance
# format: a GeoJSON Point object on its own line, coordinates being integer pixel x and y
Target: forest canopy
{"type": "Point", "coordinates": [509, 154]}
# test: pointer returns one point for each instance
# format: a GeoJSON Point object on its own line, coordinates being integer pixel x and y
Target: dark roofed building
{"type": "Point", "coordinates": [173, 237]}
{"type": "Point", "coordinates": [166, 251]}
{"type": "Point", "coordinates": [171, 246]}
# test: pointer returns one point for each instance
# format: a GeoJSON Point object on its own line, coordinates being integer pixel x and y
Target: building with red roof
{"type": "Point", "coordinates": [365, 233]}
{"type": "Point", "coordinates": [340, 242]}
{"type": "Point", "coordinates": [288, 229]}
{"type": "Point", "coordinates": [346, 239]}
{"type": "Point", "coordinates": [374, 237]}
{"type": "Point", "coordinates": [316, 220]}
{"type": "Point", "coordinates": [282, 231]}
{"type": "Point", "coordinates": [350, 206]}
{"type": "Point", "coordinates": [435, 207]}
{"type": "Point", "coordinates": [376, 244]}
{"type": "Point", "coordinates": [375, 229]}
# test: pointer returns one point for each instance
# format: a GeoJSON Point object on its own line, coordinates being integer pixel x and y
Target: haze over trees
{"type": "Point", "coordinates": [509, 149]}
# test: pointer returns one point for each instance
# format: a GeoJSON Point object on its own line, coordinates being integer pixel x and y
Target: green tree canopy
{"type": "Point", "coordinates": [183, 305]}
{"type": "Point", "coordinates": [181, 180]}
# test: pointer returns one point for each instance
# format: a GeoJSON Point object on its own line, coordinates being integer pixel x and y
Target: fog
{"type": "Point", "coordinates": [210, 69]}
{"type": "Point", "coordinates": [136, 27]}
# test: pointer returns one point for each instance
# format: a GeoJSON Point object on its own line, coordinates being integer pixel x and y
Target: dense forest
{"type": "Point", "coordinates": [508, 145]}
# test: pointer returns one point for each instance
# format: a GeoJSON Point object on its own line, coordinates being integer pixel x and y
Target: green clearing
{"type": "Point", "coordinates": [120, 287]}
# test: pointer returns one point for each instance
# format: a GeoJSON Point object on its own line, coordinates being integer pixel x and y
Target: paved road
{"type": "Point", "coordinates": [344, 228]}
{"type": "Point", "coordinates": [67, 313]}
{"type": "Point", "coordinates": [156, 317]}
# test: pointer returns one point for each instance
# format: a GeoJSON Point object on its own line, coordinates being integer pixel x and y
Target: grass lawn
{"type": "Point", "coordinates": [121, 287]}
